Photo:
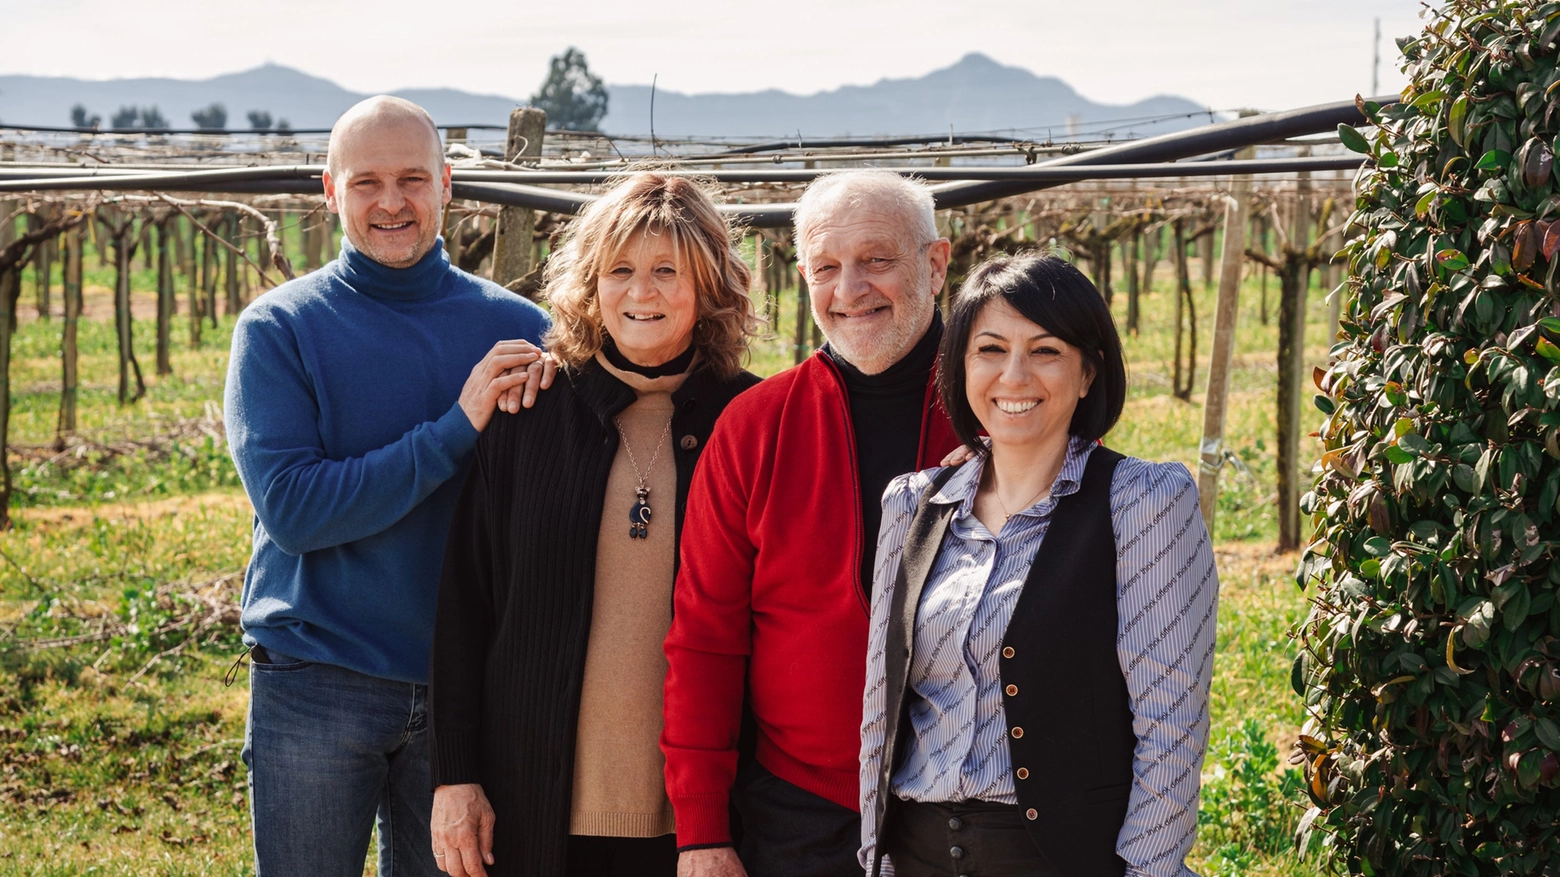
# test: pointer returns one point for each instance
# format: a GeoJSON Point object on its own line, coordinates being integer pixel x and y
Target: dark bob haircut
{"type": "Point", "coordinates": [1050, 292]}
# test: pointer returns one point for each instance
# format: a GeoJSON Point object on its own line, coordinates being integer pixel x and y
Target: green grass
{"type": "Point", "coordinates": [146, 525]}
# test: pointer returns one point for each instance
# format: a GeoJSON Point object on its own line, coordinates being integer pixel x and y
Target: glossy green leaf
{"type": "Point", "coordinates": [1494, 160]}
{"type": "Point", "coordinates": [1452, 260]}
{"type": "Point", "coordinates": [1546, 348]}
{"type": "Point", "coordinates": [1353, 140]}
{"type": "Point", "coordinates": [1457, 120]}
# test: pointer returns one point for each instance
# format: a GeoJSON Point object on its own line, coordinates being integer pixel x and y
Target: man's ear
{"type": "Point", "coordinates": [330, 193]}
{"type": "Point", "coordinates": [446, 178]}
{"type": "Point", "coordinates": [937, 255]}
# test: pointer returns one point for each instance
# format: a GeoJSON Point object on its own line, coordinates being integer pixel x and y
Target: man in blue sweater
{"type": "Point", "coordinates": [352, 405]}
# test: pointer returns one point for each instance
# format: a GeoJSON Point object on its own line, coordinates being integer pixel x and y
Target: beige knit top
{"type": "Point", "coordinates": [619, 787]}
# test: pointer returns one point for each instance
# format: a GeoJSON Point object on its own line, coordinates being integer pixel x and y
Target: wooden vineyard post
{"type": "Point", "coordinates": [1291, 362]}
{"type": "Point", "coordinates": [229, 231]}
{"type": "Point", "coordinates": [281, 236]}
{"type": "Point", "coordinates": [210, 264]}
{"type": "Point", "coordinates": [7, 224]}
{"type": "Point", "coordinates": [70, 288]}
{"type": "Point", "coordinates": [1185, 314]}
{"type": "Point", "coordinates": [1151, 242]}
{"type": "Point", "coordinates": [43, 265]}
{"type": "Point", "coordinates": [1100, 256]}
{"type": "Point", "coordinates": [165, 293]}
{"type": "Point", "coordinates": [512, 246]}
{"type": "Point", "coordinates": [1298, 253]}
{"type": "Point", "coordinates": [124, 243]}
{"type": "Point", "coordinates": [1226, 311]}
{"type": "Point", "coordinates": [187, 249]}
{"type": "Point", "coordinates": [1259, 225]}
{"type": "Point", "coordinates": [10, 290]}
{"type": "Point", "coordinates": [1129, 269]}
{"type": "Point", "coordinates": [100, 239]}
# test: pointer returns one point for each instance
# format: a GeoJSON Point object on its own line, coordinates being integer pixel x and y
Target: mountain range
{"type": "Point", "coordinates": [976, 94]}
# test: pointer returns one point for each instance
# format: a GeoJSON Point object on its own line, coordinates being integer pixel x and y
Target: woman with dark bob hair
{"type": "Point", "coordinates": [1042, 615]}
{"type": "Point", "coordinates": [556, 594]}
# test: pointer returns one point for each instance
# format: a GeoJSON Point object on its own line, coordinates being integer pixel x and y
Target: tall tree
{"type": "Point", "coordinates": [211, 118]}
{"type": "Point", "coordinates": [151, 117]}
{"type": "Point", "coordinates": [125, 118]}
{"type": "Point", "coordinates": [81, 119]}
{"type": "Point", "coordinates": [573, 97]}
{"type": "Point", "coordinates": [259, 120]}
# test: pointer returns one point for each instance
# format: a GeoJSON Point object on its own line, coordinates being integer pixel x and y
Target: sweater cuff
{"type": "Point", "coordinates": [703, 821]}
{"type": "Point", "coordinates": [455, 432]}
{"type": "Point", "coordinates": [455, 758]}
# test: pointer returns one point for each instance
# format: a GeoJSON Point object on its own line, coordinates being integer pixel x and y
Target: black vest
{"type": "Point", "coordinates": [1069, 717]}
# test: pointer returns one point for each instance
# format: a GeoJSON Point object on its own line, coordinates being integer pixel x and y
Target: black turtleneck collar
{"type": "Point", "coordinates": [909, 372]}
{"type": "Point", "coordinates": [419, 280]}
{"type": "Point", "coordinates": [887, 413]}
{"type": "Point", "coordinates": [674, 366]}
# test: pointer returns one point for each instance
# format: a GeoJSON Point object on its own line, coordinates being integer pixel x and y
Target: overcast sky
{"type": "Point", "coordinates": [1269, 54]}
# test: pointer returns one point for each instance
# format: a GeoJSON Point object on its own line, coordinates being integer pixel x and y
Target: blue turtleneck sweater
{"type": "Point", "coordinates": [342, 418]}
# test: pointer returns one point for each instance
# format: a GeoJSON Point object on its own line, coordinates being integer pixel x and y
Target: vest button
{"type": "Point", "coordinates": [956, 852]}
{"type": "Point", "coordinates": [1031, 814]}
{"type": "Point", "coordinates": [1022, 773]}
{"type": "Point", "coordinates": [1007, 652]}
{"type": "Point", "coordinates": [1012, 690]}
{"type": "Point", "coordinates": [1017, 733]}
{"type": "Point", "coordinates": [955, 823]}
{"type": "Point", "coordinates": [689, 442]}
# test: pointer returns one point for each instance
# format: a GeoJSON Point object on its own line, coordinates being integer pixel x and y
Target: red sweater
{"type": "Point", "coordinates": [769, 598]}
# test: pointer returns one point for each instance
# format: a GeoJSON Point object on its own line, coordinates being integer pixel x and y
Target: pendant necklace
{"type": "Point", "coordinates": [639, 515]}
{"type": "Point", "coordinates": [997, 494]}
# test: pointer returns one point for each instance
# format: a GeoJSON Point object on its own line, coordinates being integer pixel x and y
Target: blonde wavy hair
{"type": "Point", "coordinates": [704, 242]}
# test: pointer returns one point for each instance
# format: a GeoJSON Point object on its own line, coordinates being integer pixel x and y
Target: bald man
{"type": "Point", "coordinates": [354, 398]}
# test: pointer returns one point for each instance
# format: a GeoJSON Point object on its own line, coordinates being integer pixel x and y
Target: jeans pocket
{"type": "Point", "coordinates": [266, 660]}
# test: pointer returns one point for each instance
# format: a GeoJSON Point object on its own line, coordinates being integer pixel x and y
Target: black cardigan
{"type": "Point", "coordinates": [515, 600]}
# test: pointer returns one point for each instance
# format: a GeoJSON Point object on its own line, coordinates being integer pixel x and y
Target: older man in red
{"type": "Point", "coordinates": [773, 595]}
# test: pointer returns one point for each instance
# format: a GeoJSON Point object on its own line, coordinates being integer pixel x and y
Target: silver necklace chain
{"type": "Point", "coordinates": [661, 443]}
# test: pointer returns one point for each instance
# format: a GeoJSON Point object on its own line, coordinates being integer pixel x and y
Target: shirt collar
{"type": "Point", "coordinates": [961, 488]}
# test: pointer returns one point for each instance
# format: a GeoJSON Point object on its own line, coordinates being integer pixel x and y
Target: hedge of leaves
{"type": "Point", "coordinates": [1430, 663]}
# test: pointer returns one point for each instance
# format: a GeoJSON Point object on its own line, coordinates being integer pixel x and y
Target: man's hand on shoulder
{"type": "Point", "coordinates": [538, 376]}
{"type": "Point", "coordinates": [717, 862]}
{"type": "Point", "coordinates": [506, 367]}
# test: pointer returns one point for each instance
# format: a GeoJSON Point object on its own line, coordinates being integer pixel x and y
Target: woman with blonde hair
{"type": "Point", "coordinates": [556, 594]}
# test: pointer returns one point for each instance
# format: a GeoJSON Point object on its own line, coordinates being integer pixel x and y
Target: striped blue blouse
{"type": "Point", "coordinates": [1167, 594]}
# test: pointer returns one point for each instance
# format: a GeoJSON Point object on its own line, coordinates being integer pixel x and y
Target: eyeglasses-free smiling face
{"type": "Point", "coordinates": [390, 185]}
{"type": "Point", "coordinates": [648, 301]}
{"type": "Point", "coordinates": [1022, 382]}
{"type": "Point", "coordinates": [873, 289]}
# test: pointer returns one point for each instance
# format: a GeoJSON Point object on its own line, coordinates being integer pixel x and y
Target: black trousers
{"type": "Point", "coordinates": [788, 831]}
{"type": "Point", "coordinates": [973, 838]}
{"type": "Point", "coordinates": [622, 856]}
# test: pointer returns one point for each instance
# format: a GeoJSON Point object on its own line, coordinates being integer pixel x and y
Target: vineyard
{"type": "Point", "coordinates": [128, 531]}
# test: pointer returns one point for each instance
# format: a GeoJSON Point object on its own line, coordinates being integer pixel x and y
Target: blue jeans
{"type": "Point", "coordinates": [331, 753]}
